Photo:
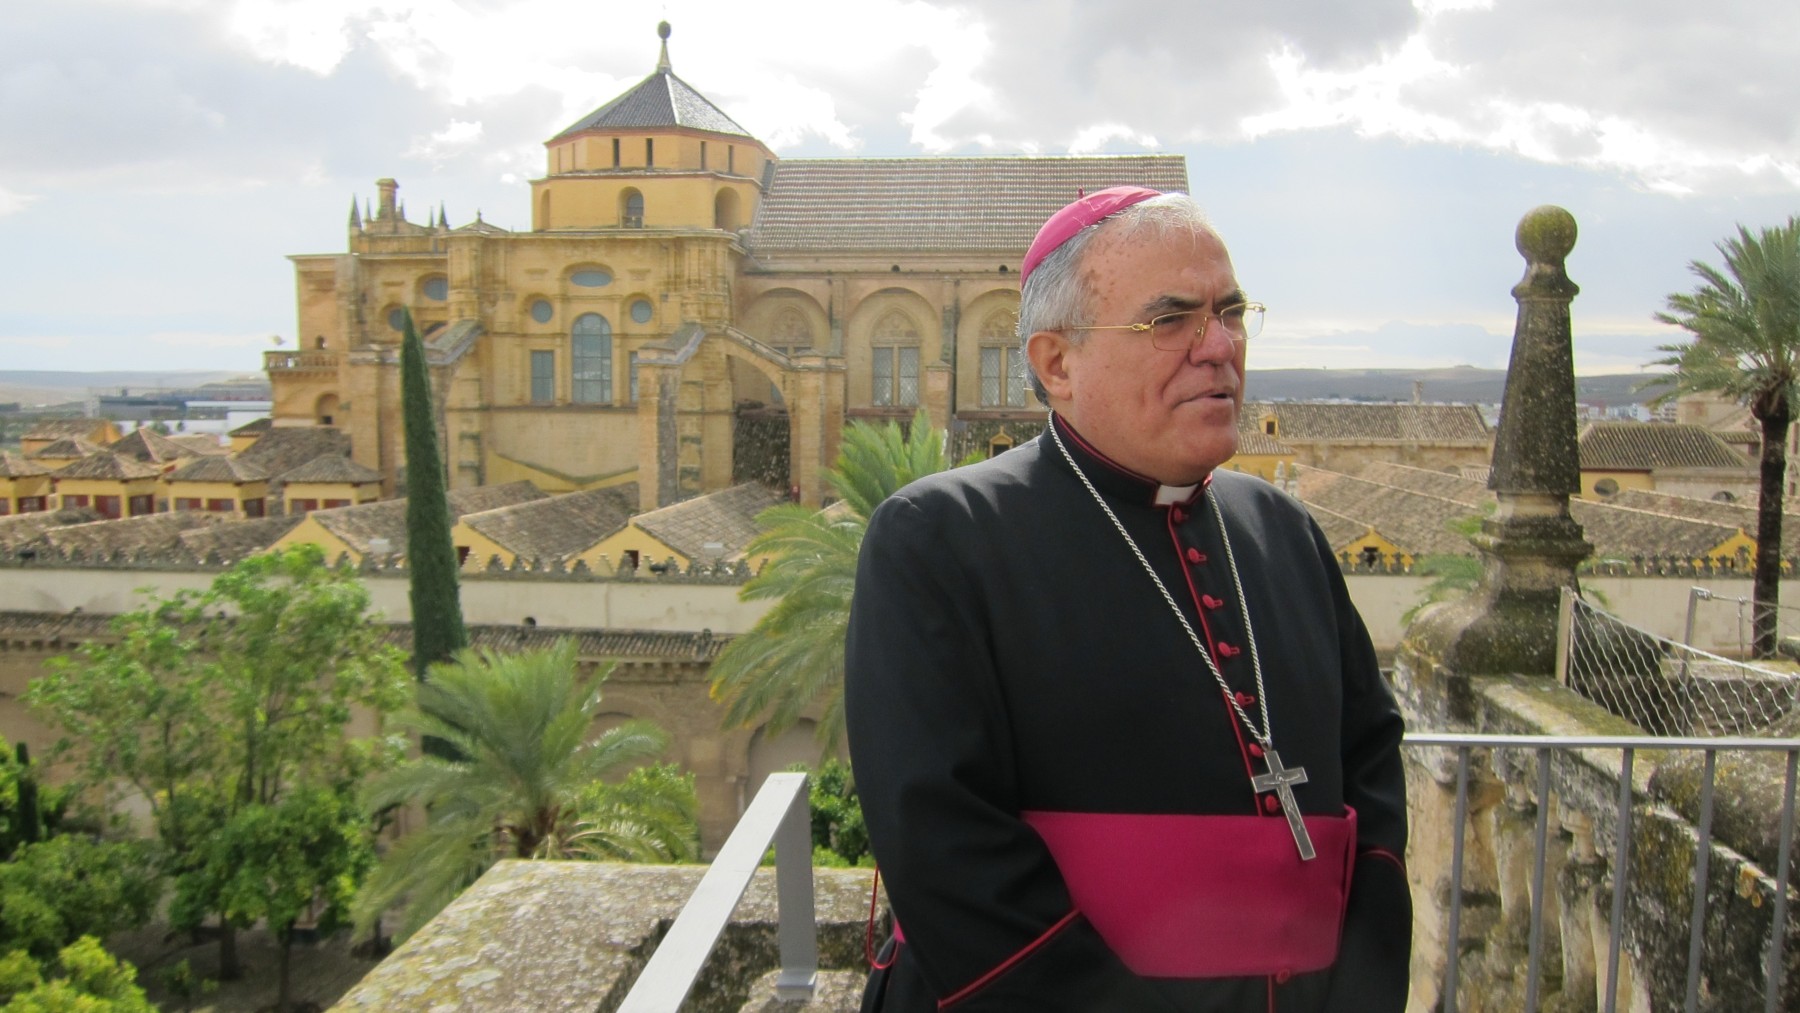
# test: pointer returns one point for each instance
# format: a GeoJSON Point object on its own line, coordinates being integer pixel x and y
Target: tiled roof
{"type": "Point", "coordinates": [558, 527]}
{"type": "Point", "coordinates": [485, 228]}
{"type": "Point", "coordinates": [332, 468]}
{"type": "Point", "coordinates": [1255, 441]}
{"type": "Point", "coordinates": [625, 645]}
{"type": "Point", "coordinates": [1431, 483]}
{"type": "Point", "coordinates": [284, 448]}
{"type": "Point", "coordinates": [66, 449]}
{"type": "Point", "coordinates": [660, 100]}
{"type": "Point", "coordinates": [356, 525]}
{"type": "Point", "coordinates": [992, 205]}
{"type": "Point", "coordinates": [1644, 446]}
{"type": "Point", "coordinates": [1339, 530]}
{"type": "Point", "coordinates": [54, 626]}
{"type": "Point", "coordinates": [106, 465]}
{"type": "Point", "coordinates": [1623, 533]}
{"type": "Point", "coordinates": [1415, 522]}
{"type": "Point", "coordinates": [234, 540]}
{"type": "Point", "coordinates": [220, 469]}
{"type": "Point", "coordinates": [1318, 420]}
{"type": "Point", "coordinates": [149, 447]}
{"type": "Point", "coordinates": [146, 533]}
{"type": "Point", "coordinates": [65, 429]}
{"type": "Point", "coordinates": [15, 466]}
{"type": "Point", "coordinates": [17, 530]}
{"type": "Point", "coordinates": [255, 427]}
{"type": "Point", "coordinates": [204, 444]}
{"type": "Point", "coordinates": [727, 517]}
{"type": "Point", "coordinates": [1736, 515]}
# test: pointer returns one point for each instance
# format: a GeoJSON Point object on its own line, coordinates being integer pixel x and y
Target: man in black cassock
{"type": "Point", "coordinates": [1119, 734]}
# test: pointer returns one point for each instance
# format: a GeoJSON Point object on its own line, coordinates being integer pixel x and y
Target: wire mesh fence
{"type": "Point", "coordinates": [1665, 687]}
{"type": "Point", "coordinates": [1705, 605]}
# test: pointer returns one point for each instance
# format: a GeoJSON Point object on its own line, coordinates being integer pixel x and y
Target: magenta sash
{"type": "Point", "coordinates": [1206, 896]}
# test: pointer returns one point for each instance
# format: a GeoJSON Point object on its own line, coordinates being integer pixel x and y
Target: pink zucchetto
{"type": "Point", "coordinates": [1086, 210]}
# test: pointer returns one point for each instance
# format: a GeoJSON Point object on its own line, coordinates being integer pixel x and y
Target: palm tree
{"type": "Point", "coordinates": [793, 657]}
{"type": "Point", "coordinates": [520, 728]}
{"type": "Point", "coordinates": [1746, 326]}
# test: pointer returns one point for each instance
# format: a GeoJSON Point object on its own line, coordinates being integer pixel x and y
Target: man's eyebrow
{"type": "Point", "coordinates": [1178, 304]}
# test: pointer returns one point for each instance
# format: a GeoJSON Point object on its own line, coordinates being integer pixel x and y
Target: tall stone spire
{"type": "Point", "coordinates": [662, 64]}
{"type": "Point", "coordinates": [355, 218]}
{"type": "Point", "coordinates": [1531, 546]}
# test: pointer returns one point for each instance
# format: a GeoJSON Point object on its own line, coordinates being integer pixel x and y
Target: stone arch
{"type": "Point", "coordinates": [727, 213]}
{"type": "Point", "coordinates": [773, 754]}
{"type": "Point", "coordinates": [906, 325]}
{"type": "Point", "coordinates": [631, 208]}
{"type": "Point", "coordinates": [590, 360]}
{"type": "Point", "coordinates": [325, 409]}
{"type": "Point", "coordinates": [989, 365]}
{"type": "Point", "coordinates": [772, 317]}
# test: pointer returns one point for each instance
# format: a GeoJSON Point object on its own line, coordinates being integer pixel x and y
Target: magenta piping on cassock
{"type": "Point", "coordinates": [1182, 896]}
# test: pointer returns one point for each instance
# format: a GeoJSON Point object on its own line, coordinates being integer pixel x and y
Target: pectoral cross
{"type": "Point", "coordinates": [1281, 781]}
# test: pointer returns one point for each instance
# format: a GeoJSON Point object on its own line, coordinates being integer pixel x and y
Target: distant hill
{"type": "Point", "coordinates": [1455, 384]}
{"type": "Point", "coordinates": [32, 387]}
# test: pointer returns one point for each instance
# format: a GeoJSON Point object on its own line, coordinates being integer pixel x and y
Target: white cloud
{"type": "Point", "coordinates": [455, 138]}
{"type": "Point", "coordinates": [12, 201]}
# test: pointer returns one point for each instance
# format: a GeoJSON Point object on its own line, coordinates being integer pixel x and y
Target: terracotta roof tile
{"type": "Point", "coordinates": [1645, 446]}
{"type": "Point", "coordinates": [255, 427]}
{"type": "Point", "coordinates": [1432, 483]}
{"type": "Point", "coordinates": [284, 448]}
{"type": "Point", "coordinates": [234, 540]}
{"type": "Point", "coordinates": [1623, 533]}
{"type": "Point", "coordinates": [204, 444]}
{"type": "Point", "coordinates": [358, 524]}
{"type": "Point", "coordinates": [146, 533]}
{"type": "Point", "coordinates": [991, 205]}
{"type": "Point", "coordinates": [66, 449]}
{"type": "Point", "coordinates": [727, 517]}
{"type": "Point", "coordinates": [1415, 522]}
{"type": "Point", "coordinates": [332, 468]}
{"type": "Point", "coordinates": [65, 429]}
{"type": "Point", "coordinates": [15, 466]}
{"type": "Point", "coordinates": [106, 465]}
{"type": "Point", "coordinates": [1329, 421]}
{"type": "Point", "coordinates": [1255, 441]}
{"type": "Point", "coordinates": [149, 447]}
{"type": "Point", "coordinates": [555, 528]}
{"type": "Point", "coordinates": [18, 530]}
{"type": "Point", "coordinates": [219, 469]}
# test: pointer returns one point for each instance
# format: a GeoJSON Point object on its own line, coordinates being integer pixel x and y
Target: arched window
{"type": "Point", "coordinates": [544, 210]}
{"type": "Point", "coordinates": [725, 211]}
{"type": "Point", "coordinates": [1002, 370]}
{"type": "Point", "coordinates": [631, 209]}
{"type": "Point", "coordinates": [791, 331]}
{"type": "Point", "coordinates": [590, 353]}
{"type": "Point", "coordinates": [894, 363]}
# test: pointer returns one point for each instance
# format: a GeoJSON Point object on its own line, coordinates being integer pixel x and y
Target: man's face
{"type": "Point", "coordinates": [1170, 415]}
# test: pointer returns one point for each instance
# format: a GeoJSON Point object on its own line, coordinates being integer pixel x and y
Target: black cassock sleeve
{"type": "Point", "coordinates": [1372, 973]}
{"type": "Point", "coordinates": [987, 920]}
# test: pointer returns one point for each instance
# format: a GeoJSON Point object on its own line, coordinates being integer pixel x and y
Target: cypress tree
{"type": "Point", "coordinates": [437, 619]}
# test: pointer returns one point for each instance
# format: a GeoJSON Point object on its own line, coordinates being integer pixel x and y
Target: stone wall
{"type": "Point", "coordinates": [548, 937]}
{"type": "Point", "coordinates": [1499, 853]}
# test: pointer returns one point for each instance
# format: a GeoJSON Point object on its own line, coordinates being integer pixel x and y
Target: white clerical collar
{"type": "Point", "coordinates": [1169, 495]}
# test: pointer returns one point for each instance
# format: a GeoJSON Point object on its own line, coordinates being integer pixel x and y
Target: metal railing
{"type": "Point", "coordinates": [1620, 860]}
{"type": "Point", "coordinates": [778, 814]}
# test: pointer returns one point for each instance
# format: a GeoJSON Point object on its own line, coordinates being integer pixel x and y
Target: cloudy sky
{"type": "Point", "coordinates": [1367, 160]}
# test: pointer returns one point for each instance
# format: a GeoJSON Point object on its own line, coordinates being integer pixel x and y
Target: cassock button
{"type": "Point", "coordinates": [1255, 750]}
{"type": "Point", "coordinates": [1245, 700]}
{"type": "Point", "coordinates": [1282, 976]}
{"type": "Point", "coordinates": [1228, 651]}
{"type": "Point", "coordinates": [1207, 600]}
{"type": "Point", "coordinates": [1197, 557]}
{"type": "Point", "coordinates": [1179, 515]}
{"type": "Point", "coordinates": [1271, 804]}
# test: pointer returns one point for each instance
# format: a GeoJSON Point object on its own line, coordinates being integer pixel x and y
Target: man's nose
{"type": "Point", "coordinates": [1213, 342]}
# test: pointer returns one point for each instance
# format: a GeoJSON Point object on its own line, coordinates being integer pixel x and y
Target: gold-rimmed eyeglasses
{"type": "Point", "coordinates": [1177, 331]}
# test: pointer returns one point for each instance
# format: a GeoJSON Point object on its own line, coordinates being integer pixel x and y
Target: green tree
{"type": "Point", "coordinates": [793, 657]}
{"type": "Point", "coordinates": [91, 981]}
{"type": "Point", "coordinates": [437, 620]}
{"type": "Point", "coordinates": [305, 853]}
{"type": "Point", "coordinates": [838, 833]}
{"type": "Point", "coordinates": [651, 815]}
{"type": "Point", "coordinates": [1745, 322]}
{"type": "Point", "coordinates": [56, 891]}
{"type": "Point", "coordinates": [520, 730]}
{"type": "Point", "coordinates": [218, 701]}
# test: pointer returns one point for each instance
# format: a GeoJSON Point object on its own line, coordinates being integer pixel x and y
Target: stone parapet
{"type": "Point", "coordinates": [544, 937]}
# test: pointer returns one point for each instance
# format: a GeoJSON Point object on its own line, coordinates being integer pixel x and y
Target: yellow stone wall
{"type": "Point", "coordinates": [310, 532]}
{"type": "Point", "coordinates": [92, 487]}
{"type": "Point", "coordinates": [610, 551]}
{"type": "Point", "coordinates": [322, 491]}
{"type": "Point", "coordinates": [1390, 553]}
{"type": "Point", "coordinates": [1590, 480]}
{"type": "Point", "coordinates": [1261, 465]}
{"type": "Point", "coordinates": [476, 549]}
{"type": "Point", "coordinates": [238, 494]}
{"type": "Point", "coordinates": [12, 490]}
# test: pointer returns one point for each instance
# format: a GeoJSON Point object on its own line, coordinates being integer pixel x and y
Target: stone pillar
{"type": "Point", "coordinates": [815, 400]}
{"type": "Point", "coordinates": [1531, 546]}
{"type": "Point", "coordinates": [658, 470]}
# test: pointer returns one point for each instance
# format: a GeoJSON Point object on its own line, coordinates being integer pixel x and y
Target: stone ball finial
{"type": "Point", "coordinates": [1546, 234]}
{"type": "Point", "coordinates": [662, 31]}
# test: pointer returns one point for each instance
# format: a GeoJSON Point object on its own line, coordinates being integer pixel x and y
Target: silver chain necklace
{"type": "Point", "coordinates": [1279, 779]}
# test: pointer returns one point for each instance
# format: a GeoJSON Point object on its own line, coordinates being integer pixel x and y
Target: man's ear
{"type": "Point", "coordinates": [1048, 352]}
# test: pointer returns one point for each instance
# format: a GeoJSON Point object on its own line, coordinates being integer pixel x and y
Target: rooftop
{"type": "Point", "coordinates": [990, 205]}
{"type": "Point", "coordinates": [332, 468]}
{"type": "Point", "coordinates": [1320, 420]}
{"type": "Point", "coordinates": [361, 523]}
{"type": "Point", "coordinates": [234, 540]}
{"type": "Point", "coordinates": [660, 100]}
{"type": "Point", "coordinates": [146, 533]}
{"type": "Point", "coordinates": [220, 469]}
{"type": "Point", "coordinates": [725, 520]}
{"type": "Point", "coordinates": [107, 466]}
{"type": "Point", "coordinates": [284, 448]}
{"type": "Point", "coordinates": [1644, 446]}
{"type": "Point", "coordinates": [557, 527]}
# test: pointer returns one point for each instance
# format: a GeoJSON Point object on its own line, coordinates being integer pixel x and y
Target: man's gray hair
{"type": "Point", "coordinates": [1057, 296]}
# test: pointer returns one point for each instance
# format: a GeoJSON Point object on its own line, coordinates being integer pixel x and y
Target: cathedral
{"type": "Point", "coordinates": [687, 311]}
